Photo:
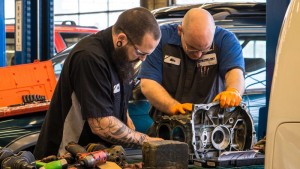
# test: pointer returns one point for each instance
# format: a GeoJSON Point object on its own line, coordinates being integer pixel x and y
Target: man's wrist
{"type": "Point", "coordinates": [233, 90]}
{"type": "Point", "coordinates": [172, 107]}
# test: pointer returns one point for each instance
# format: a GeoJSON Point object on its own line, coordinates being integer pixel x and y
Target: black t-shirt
{"type": "Point", "coordinates": [89, 87]}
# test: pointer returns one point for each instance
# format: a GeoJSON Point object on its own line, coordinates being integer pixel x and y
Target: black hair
{"type": "Point", "coordinates": [136, 22]}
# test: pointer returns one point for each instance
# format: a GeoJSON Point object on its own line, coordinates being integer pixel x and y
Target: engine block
{"type": "Point", "coordinates": [209, 130]}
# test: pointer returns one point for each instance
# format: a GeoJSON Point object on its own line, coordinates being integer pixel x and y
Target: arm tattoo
{"type": "Point", "coordinates": [113, 130]}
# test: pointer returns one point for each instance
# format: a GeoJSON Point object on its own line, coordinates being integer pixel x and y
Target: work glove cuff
{"type": "Point", "coordinates": [233, 90]}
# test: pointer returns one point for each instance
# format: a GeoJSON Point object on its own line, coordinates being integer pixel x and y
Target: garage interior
{"type": "Point", "coordinates": [34, 25]}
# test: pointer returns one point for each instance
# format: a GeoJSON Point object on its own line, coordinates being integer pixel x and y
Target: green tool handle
{"type": "Point", "coordinates": [58, 164]}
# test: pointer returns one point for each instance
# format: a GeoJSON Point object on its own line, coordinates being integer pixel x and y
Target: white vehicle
{"type": "Point", "coordinates": [283, 130]}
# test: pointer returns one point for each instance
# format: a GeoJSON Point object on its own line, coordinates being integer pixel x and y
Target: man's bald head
{"type": "Point", "coordinates": [199, 27]}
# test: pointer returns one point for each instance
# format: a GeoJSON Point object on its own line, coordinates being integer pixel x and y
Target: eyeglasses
{"type": "Point", "coordinates": [137, 51]}
{"type": "Point", "coordinates": [196, 50]}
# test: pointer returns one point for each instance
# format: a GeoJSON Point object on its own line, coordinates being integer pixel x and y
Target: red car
{"type": "Point", "coordinates": [65, 35]}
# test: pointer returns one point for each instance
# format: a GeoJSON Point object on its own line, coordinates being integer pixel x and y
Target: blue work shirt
{"type": "Point", "coordinates": [230, 52]}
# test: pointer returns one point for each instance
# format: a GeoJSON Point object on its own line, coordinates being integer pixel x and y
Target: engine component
{"type": "Point", "coordinates": [22, 160]}
{"type": "Point", "coordinates": [116, 153]}
{"type": "Point", "coordinates": [4, 153]}
{"type": "Point", "coordinates": [84, 158]}
{"type": "Point", "coordinates": [209, 130]}
{"type": "Point", "coordinates": [237, 159]}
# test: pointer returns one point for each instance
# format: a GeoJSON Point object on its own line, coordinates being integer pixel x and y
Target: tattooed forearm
{"type": "Point", "coordinates": [113, 130]}
{"type": "Point", "coordinates": [126, 142]}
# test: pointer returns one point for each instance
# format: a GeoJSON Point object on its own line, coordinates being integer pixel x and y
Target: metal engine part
{"type": "Point", "coordinates": [209, 130]}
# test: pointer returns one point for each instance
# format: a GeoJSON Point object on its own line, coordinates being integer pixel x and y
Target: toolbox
{"type": "Point", "coordinates": [26, 88]}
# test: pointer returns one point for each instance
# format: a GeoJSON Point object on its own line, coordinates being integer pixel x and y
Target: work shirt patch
{"type": "Point", "coordinates": [207, 60]}
{"type": "Point", "coordinates": [172, 60]}
{"type": "Point", "coordinates": [117, 88]}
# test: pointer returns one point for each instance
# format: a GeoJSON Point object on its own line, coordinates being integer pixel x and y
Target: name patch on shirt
{"type": "Point", "coordinates": [117, 88]}
{"type": "Point", "coordinates": [207, 60]}
{"type": "Point", "coordinates": [172, 60]}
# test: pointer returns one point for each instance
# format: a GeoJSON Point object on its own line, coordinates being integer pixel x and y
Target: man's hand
{"type": "Point", "coordinates": [153, 139]}
{"type": "Point", "coordinates": [229, 98]}
{"type": "Point", "coordinates": [181, 108]}
{"type": "Point", "coordinates": [134, 166]}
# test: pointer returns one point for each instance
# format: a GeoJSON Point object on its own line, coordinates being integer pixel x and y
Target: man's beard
{"type": "Point", "coordinates": [123, 65]}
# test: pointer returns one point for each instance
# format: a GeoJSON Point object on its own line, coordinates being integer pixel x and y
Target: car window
{"type": "Point", "coordinates": [10, 47]}
{"type": "Point", "coordinates": [255, 61]}
{"type": "Point", "coordinates": [254, 52]}
{"type": "Point", "coordinates": [59, 59]}
{"type": "Point", "coordinates": [255, 49]}
{"type": "Point", "coordinates": [58, 68]}
{"type": "Point", "coordinates": [72, 38]}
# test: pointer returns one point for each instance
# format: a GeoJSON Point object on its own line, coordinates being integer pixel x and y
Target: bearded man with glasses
{"type": "Point", "coordinates": [90, 101]}
{"type": "Point", "coordinates": [195, 62]}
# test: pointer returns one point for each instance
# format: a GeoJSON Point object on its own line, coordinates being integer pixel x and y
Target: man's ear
{"type": "Point", "coordinates": [179, 30]}
{"type": "Point", "coordinates": [121, 37]}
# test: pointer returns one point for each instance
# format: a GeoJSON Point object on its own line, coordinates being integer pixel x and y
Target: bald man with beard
{"type": "Point", "coordinates": [194, 62]}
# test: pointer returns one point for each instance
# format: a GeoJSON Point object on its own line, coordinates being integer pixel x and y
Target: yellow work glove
{"type": "Point", "coordinates": [181, 108]}
{"type": "Point", "coordinates": [229, 98]}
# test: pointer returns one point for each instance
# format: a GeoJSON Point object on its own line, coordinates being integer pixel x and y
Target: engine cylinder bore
{"type": "Point", "coordinates": [164, 131]}
{"type": "Point", "coordinates": [178, 134]}
{"type": "Point", "coordinates": [239, 136]}
{"type": "Point", "coordinates": [221, 137]}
